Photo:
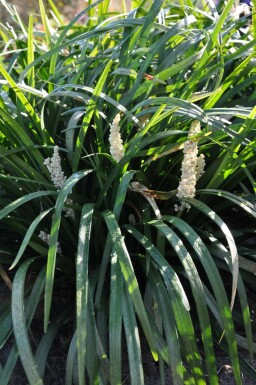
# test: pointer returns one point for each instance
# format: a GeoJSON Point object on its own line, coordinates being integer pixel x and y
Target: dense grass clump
{"type": "Point", "coordinates": [127, 182]}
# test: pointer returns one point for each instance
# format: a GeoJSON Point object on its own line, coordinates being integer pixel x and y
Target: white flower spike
{"type": "Point", "coordinates": [54, 167]}
{"type": "Point", "coordinates": [115, 140]}
{"type": "Point", "coordinates": [58, 177]}
{"type": "Point", "coordinates": [192, 168]}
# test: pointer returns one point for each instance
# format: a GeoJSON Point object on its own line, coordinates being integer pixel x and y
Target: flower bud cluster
{"type": "Point", "coordinates": [46, 238]}
{"type": "Point", "coordinates": [200, 166]}
{"type": "Point", "coordinates": [115, 140]}
{"type": "Point", "coordinates": [54, 167]}
{"type": "Point", "coordinates": [58, 177]}
{"type": "Point", "coordinates": [69, 212]}
{"type": "Point", "coordinates": [192, 168]}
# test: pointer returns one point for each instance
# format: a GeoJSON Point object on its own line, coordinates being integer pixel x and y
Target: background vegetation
{"type": "Point", "coordinates": [67, 8]}
{"type": "Point", "coordinates": [103, 251]}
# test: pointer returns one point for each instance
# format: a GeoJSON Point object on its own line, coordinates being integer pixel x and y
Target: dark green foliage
{"type": "Point", "coordinates": [131, 267]}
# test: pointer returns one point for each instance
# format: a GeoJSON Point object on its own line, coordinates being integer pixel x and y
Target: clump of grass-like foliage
{"type": "Point", "coordinates": [102, 221]}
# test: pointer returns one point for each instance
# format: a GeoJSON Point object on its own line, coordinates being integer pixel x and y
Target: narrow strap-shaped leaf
{"type": "Point", "coordinates": [101, 95]}
{"type": "Point", "coordinates": [116, 287]}
{"type": "Point", "coordinates": [30, 53]}
{"type": "Point", "coordinates": [72, 353]}
{"type": "Point", "coordinates": [122, 191]}
{"type": "Point", "coordinates": [216, 283]}
{"type": "Point", "coordinates": [247, 367]}
{"type": "Point", "coordinates": [170, 277]}
{"type": "Point", "coordinates": [9, 366]}
{"type": "Point", "coordinates": [115, 320]}
{"type": "Point", "coordinates": [198, 294]}
{"type": "Point", "coordinates": [28, 236]}
{"type": "Point", "coordinates": [25, 144]}
{"type": "Point", "coordinates": [130, 278]}
{"type": "Point", "coordinates": [30, 110]}
{"type": "Point", "coordinates": [51, 261]}
{"type": "Point", "coordinates": [20, 201]}
{"type": "Point", "coordinates": [229, 237]}
{"type": "Point", "coordinates": [229, 80]}
{"type": "Point", "coordinates": [118, 205]}
{"type": "Point", "coordinates": [232, 158]}
{"type": "Point", "coordinates": [20, 328]}
{"type": "Point", "coordinates": [103, 8]}
{"type": "Point", "coordinates": [210, 44]}
{"type": "Point", "coordinates": [137, 3]}
{"type": "Point", "coordinates": [45, 22]}
{"type": "Point", "coordinates": [150, 17]}
{"type": "Point", "coordinates": [240, 201]}
{"type": "Point", "coordinates": [90, 110]}
{"type": "Point", "coordinates": [93, 344]}
{"type": "Point", "coordinates": [179, 67]}
{"type": "Point", "coordinates": [222, 254]}
{"type": "Point", "coordinates": [35, 296]}
{"type": "Point", "coordinates": [132, 340]}
{"type": "Point", "coordinates": [5, 327]}
{"type": "Point", "coordinates": [70, 134]}
{"type": "Point", "coordinates": [104, 363]}
{"type": "Point", "coordinates": [56, 12]}
{"type": "Point", "coordinates": [44, 347]}
{"type": "Point", "coordinates": [154, 49]}
{"type": "Point", "coordinates": [82, 283]}
{"type": "Point", "coordinates": [169, 325]}
{"type": "Point", "coordinates": [246, 315]}
{"type": "Point", "coordinates": [53, 53]}
{"type": "Point", "coordinates": [31, 307]}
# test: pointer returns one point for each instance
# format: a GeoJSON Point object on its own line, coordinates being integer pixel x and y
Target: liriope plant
{"type": "Point", "coordinates": [128, 180]}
